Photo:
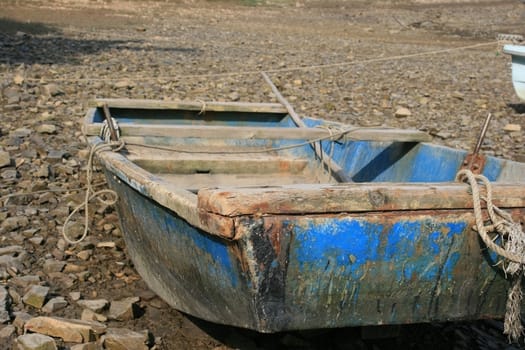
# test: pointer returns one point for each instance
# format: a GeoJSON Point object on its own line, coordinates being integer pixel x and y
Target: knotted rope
{"type": "Point", "coordinates": [114, 146]}
{"type": "Point", "coordinates": [512, 247]}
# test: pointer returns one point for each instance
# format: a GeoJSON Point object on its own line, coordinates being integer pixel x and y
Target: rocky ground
{"type": "Point", "coordinates": [356, 62]}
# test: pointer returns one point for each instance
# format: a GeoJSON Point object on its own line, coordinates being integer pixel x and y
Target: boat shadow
{"type": "Point", "coordinates": [517, 107]}
{"type": "Point", "coordinates": [427, 336]}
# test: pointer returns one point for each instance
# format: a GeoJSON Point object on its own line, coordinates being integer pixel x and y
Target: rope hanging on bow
{"type": "Point", "coordinates": [114, 146]}
{"type": "Point", "coordinates": [511, 248]}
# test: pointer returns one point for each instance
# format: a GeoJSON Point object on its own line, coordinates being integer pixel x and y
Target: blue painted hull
{"type": "Point", "coordinates": [283, 264]}
{"type": "Point", "coordinates": [307, 272]}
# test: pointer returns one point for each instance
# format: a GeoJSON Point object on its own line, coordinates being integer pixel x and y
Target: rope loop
{"type": "Point", "coordinates": [114, 146]}
{"type": "Point", "coordinates": [511, 248]}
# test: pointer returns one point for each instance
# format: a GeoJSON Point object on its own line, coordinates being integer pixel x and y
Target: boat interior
{"type": "Point", "coordinates": [259, 145]}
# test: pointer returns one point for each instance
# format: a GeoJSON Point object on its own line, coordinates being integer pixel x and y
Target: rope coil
{"type": "Point", "coordinates": [114, 146]}
{"type": "Point", "coordinates": [512, 247]}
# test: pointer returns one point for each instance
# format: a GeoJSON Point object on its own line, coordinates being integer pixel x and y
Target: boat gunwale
{"type": "Point", "coordinates": [514, 50]}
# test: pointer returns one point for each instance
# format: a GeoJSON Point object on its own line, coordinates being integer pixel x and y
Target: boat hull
{"type": "Point", "coordinates": [290, 272]}
{"type": "Point", "coordinates": [518, 68]}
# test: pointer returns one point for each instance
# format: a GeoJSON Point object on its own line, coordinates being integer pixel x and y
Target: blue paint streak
{"type": "Point", "coordinates": [346, 243]}
{"type": "Point", "coordinates": [352, 248]}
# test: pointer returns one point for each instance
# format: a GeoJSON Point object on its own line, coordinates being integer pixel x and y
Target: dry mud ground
{"type": "Point", "coordinates": [352, 61]}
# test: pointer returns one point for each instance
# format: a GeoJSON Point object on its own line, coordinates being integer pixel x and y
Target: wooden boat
{"type": "Point", "coordinates": [231, 215]}
{"type": "Point", "coordinates": [518, 68]}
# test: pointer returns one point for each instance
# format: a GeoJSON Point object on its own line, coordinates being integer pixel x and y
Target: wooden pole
{"type": "Point", "coordinates": [335, 168]}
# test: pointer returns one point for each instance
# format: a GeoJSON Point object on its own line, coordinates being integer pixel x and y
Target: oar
{"type": "Point", "coordinates": [335, 169]}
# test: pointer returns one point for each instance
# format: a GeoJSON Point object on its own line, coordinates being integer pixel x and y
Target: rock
{"type": "Point", "coordinates": [125, 339]}
{"type": "Point", "coordinates": [56, 156]}
{"type": "Point", "coordinates": [234, 96]}
{"type": "Point", "coordinates": [86, 346]}
{"type": "Point", "coordinates": [125, 309]}
{"type": "Point", "coordinates": [54, 304]}
{"type": "Point", "coordinates": [18, 79]}
{"type": "Point", "coordinates": [13, 223]}
{"type": "Point", "coordinates": [46, 129]}
{"type": "Point", "coordinates": [75, 296]}
{"type": "Point", "coordinates": [106, 245]}
{"type": "Point", "coordinates": [25, 281]}
{"type": "Point", "coordinates": [96, 305]}
{"type": "Point", "coordinates": [52, 265]}
{"type": "Point", "coordinates": [512, 128]}
{"type": "Point", "coordinates": [36, 296]}
{"type": "Point", "coordinates": [5, 159]}
{"type": "Point", "coordinates": [20, 320]}
{"type": "Point", "coordinates": [15, 255]}
{"type": "Point", "coordinates": [21, 132]}
{"type": "Point", "coordinates": [5, 304]}
{"type": "Point", "coordinates": [89, 315]}
{"type": "Point", "coordinates": [70, 330]}
{"type": "Point", "coordinates": [402, 112]}
{"type": "Point", "coordinates": [85, 254]}
{"type": "Point", "coordinates": [124, 84]}
{"type": "Point", "coordinates": [458, 95]}
{"type": "Point", "coordinates": [51, 90]}
{"type": "Point", "coordinates": [35, 342]}
{"type": "Point", "coordinates": [7, 331]}
{"type": "Point", "coordinates": [9, 174]}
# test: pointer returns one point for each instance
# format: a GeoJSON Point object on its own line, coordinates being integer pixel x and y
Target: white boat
{"type": "Point", "coordinates": [518, 67]}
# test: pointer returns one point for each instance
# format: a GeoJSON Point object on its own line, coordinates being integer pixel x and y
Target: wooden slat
{"type": "Point", "coordinates": [240, 132]}
{"type": "Point", "coordinates": [302, 199]}
{"type": "Point", "coordinates": [224, 165]}
{"type": "Point", "coordinates": [195, 182]}
{"type": "Point", "coordinates": [191, 105]}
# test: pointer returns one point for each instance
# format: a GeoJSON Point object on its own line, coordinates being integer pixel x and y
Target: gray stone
{"type": "Point", "coordinates": [125, 309]}
{"type": "Point", "coordinates": [36, 296]}
{"type": "Point", "coordinates": [21, 132]}
{"type": "Point", "coordinates": [43, 171]}
{"type": "Point", "coordinates": [51, 90]}
{"type": "Point", "coordinates": [95, 305]}
{"type": "Point", "coordinates": [12, 256]}
{"type": "Point", "coordinates": [13, 223]}
{"type": "Point", "coordinates": [5, 304]}
{"type": "Point", "coordinates": [7, 331]}
{"type": "Point", "coordinates": [89, 315]}
{"type": "Point", "coordinates": [402, 112]}
{"type": "Point", "coordinates": [25, 281]}
{"type": "Point", "coordinates": [125, 339]}
{"type": "Point", "coordinates": [35, 342]}
{"type": "Point", "coordinates": [124, 84]}
{"type": "Point", "coordinates": [54, 304]}
{"type": "Point", "coordinates": [55, 156]}
{"type": "Point", "coordinates": [20, 320]}
{"type": "Point", "coordinates": [75, 296]}
{"type": "Point", "coordinates": [52, 265]}
{"type": "Point", "coordinates": [47, 129]}
{"type": "Point", "coordinates": [5, 159]}
{"type": "Point", "coordinates": [9, 174]}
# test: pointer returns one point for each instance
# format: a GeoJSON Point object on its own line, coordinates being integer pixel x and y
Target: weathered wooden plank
{"type": "Point", "coordinates": [191, 105]}
{"type": "Point", "coordinates": [302, 199]}
{"type": "Point", "coordinates": [240, 132]}
{"type": "Point", "coordinates": [224, 165]}
{"type": "Point", "coordinates": [195, 182]}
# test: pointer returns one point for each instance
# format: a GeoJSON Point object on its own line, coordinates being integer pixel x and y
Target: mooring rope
{"type": "Point", "coordinates": [512, 247]}
{"type": "Point", "coordinates": [114, 146]}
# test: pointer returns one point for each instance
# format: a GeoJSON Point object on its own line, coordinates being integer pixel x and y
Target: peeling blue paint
{"type": "Point", "coordinates": [407, 249]}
